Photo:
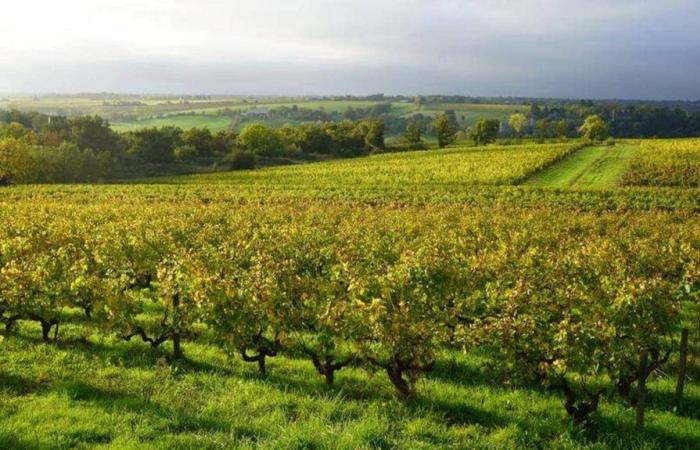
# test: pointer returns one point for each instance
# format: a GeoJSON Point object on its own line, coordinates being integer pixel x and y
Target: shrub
{"type": "Point", "coordinates": [241, 160]}
{"type": "Point", "coordinates": [261, 140]}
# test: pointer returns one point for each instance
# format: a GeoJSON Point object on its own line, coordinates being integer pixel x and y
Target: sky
{"type": "Point", "coordinates": [634, 49]}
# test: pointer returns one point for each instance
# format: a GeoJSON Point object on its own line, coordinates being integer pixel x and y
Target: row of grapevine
{"type": "Point", "coordinates": [492, 165]}
{"type": "Point", "coordinates": [557, 298]}
{"type": "Point", "coordinates": [628, 199]}
{"type": "Point", "coordinates": [666, 163]}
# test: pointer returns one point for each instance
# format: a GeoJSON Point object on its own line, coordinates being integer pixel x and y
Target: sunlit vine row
{"type": "Point", "coordinates": [666, 163]}
{"type": "Point", "coordinates": [556, 298]}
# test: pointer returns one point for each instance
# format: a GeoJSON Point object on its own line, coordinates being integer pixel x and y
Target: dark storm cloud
{"type": "Point", "coordinates": [623, 49]}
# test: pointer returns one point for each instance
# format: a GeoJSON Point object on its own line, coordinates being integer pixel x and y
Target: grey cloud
{"type": "Point", "coordinates": [595, 48]}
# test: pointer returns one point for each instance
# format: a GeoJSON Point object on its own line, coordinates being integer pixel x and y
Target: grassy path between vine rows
{"type": "Point", "coordinates": [588, 168]}
{"type": "Point", "coordinates": [92, 392]}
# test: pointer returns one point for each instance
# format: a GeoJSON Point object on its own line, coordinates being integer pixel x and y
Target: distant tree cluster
{"type": "Point", "coordinates": [624, 121]}
{"type": "Point", "coordinates": [36, 148]}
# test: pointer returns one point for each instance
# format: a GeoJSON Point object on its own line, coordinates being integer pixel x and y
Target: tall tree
{"type": "Point", "coordinates": [14, 161]}
{"type": "Point", "coordinates": [517, 122]}
{"type": "Point", "coordinates": [561, 129]}
{"type": "Point", "coordinates": [542, 127]}
{"type": "Point", "coordinates": [485, 131]}
{"type": "Point", "coordinates": [413, 132]}
{"type": "Point", "coordinates": [445, 130]}
{"type": "Point", "coordinates": [261, 140]}
{"type": "Point", "coordinates": [93, 132]}
{"type": "Point", "coordinates": [594, 128]}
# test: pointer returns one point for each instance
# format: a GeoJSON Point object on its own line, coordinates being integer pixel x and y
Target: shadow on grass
{"type": "Point", "coordinates": [457, 413]}
{"type": "Point", "coordinates": [290, 376]}
{"type": "Point", "coordinates": [181, 420]}
{"type": "Point", "coordinates": [138, 355]}
{"type": "Point", "coordinates": [651, 436]}
{"type": "Point", "coordinates": [666, 401]}
{"type": "Point", "coordinates": [19, 385]}
{"type": "Point", "coordinates": [8, 440]}
{"type": "Point", "coordinates": [460, 372]}
{"type": "Point", "coordinates": [308, 382]}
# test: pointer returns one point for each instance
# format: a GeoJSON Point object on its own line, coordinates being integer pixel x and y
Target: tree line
{"type": "Point", "coordinates": [36, 148]}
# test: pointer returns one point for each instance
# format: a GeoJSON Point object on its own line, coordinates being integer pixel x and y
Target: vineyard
{"type": "Point", "coordinates": [411, 300]}
{"type": "Point", "coordinates": [451, 168]}
{"type": "Point", "coordinates": [666, 163]}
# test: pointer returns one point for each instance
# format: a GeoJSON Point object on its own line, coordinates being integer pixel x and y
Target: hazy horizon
{"type": "Point", "coordinates": [537, 48]}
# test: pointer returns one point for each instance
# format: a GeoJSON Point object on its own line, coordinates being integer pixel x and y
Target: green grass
{"type": "Point", "coordinates": [588, 168]}
{"type": "Point", "coordinates": [192, 115]}
{"type": "Point", "coordinates": [184, 121]}
{"type": "Point", "coordinates": [93, 392]}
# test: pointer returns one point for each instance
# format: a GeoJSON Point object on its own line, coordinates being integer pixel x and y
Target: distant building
{"type": "Point", "coordinates": [258, 113]}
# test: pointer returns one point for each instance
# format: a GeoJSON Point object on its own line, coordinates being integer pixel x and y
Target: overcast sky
{"type": "Point", "coordinates": [556, 48]}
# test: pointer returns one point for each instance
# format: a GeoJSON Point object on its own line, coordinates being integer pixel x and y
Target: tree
{"type": "Point", "coordinates": [308, 138]}
{"type": "Point", "coordinates": [185, 152]}
{"type": "Point", "coordinates": [155, 144]}
{"type": "Point", "coordinates": [93, 132]}
{"type": "Point", "coordinates": [373, 132]}
{"type": "Point", "coordinates": [561, 129]}
{"type": "Point", "coordinates": [260, 140]}
{"type": "Point", "coordinates": [223, 142]}
{"type": "Point", "coordinates": [347, 138]}
{"type": "Point", "coordinates": [68, 163]}
{"type": "Point", "coordinates": [542, 129]}
{"type": "Point", "coordinates": [15, 162]}
{"type": "Point", "coordinates": [445, 130]}
{"type": "Point", "coordinates": [413, 132]}
{"type": "Point", "coordinates": [450, 113]}
{"type": "Point", "coordinates": [199, 139]}
{"type": "Point", "coordinates": [517, 122]}
{"type": "Point", "coordinates": [485, 131]}
{"type": "Point", "coordinates": [594, 128]}
{"type": "Point", "coordinates": [16, 131]}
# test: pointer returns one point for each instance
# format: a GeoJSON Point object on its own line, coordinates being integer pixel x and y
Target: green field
{"type": "Point", "coordinates": [467, 114]}
{"type": "Point", "coordinates": [214, 123]}
{"type": "Point", "coordinates": [141, 112]}
{"type": "Point", "coordinates": [115, 107]}
{"type": "Point", "coordinates": [588, 168]}
{"type": "Point", "coordinates": [381, 251]}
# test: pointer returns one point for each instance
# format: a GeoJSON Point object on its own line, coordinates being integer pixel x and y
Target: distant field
{"type": "Point", "coordinates": [115, 107]}
{"type": "Point", "coordinates": [214, 123]}
{"type": "Point", "coordinates": [331, 106]}
{"type": "Point", "coordinates": [155, 111]}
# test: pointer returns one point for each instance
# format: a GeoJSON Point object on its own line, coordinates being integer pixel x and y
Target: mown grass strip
{"type": "Point", "coordinates": [590, 167]}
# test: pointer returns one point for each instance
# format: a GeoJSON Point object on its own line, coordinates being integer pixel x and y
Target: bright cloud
{"type": "Point", "coordinates": [594, 48]}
